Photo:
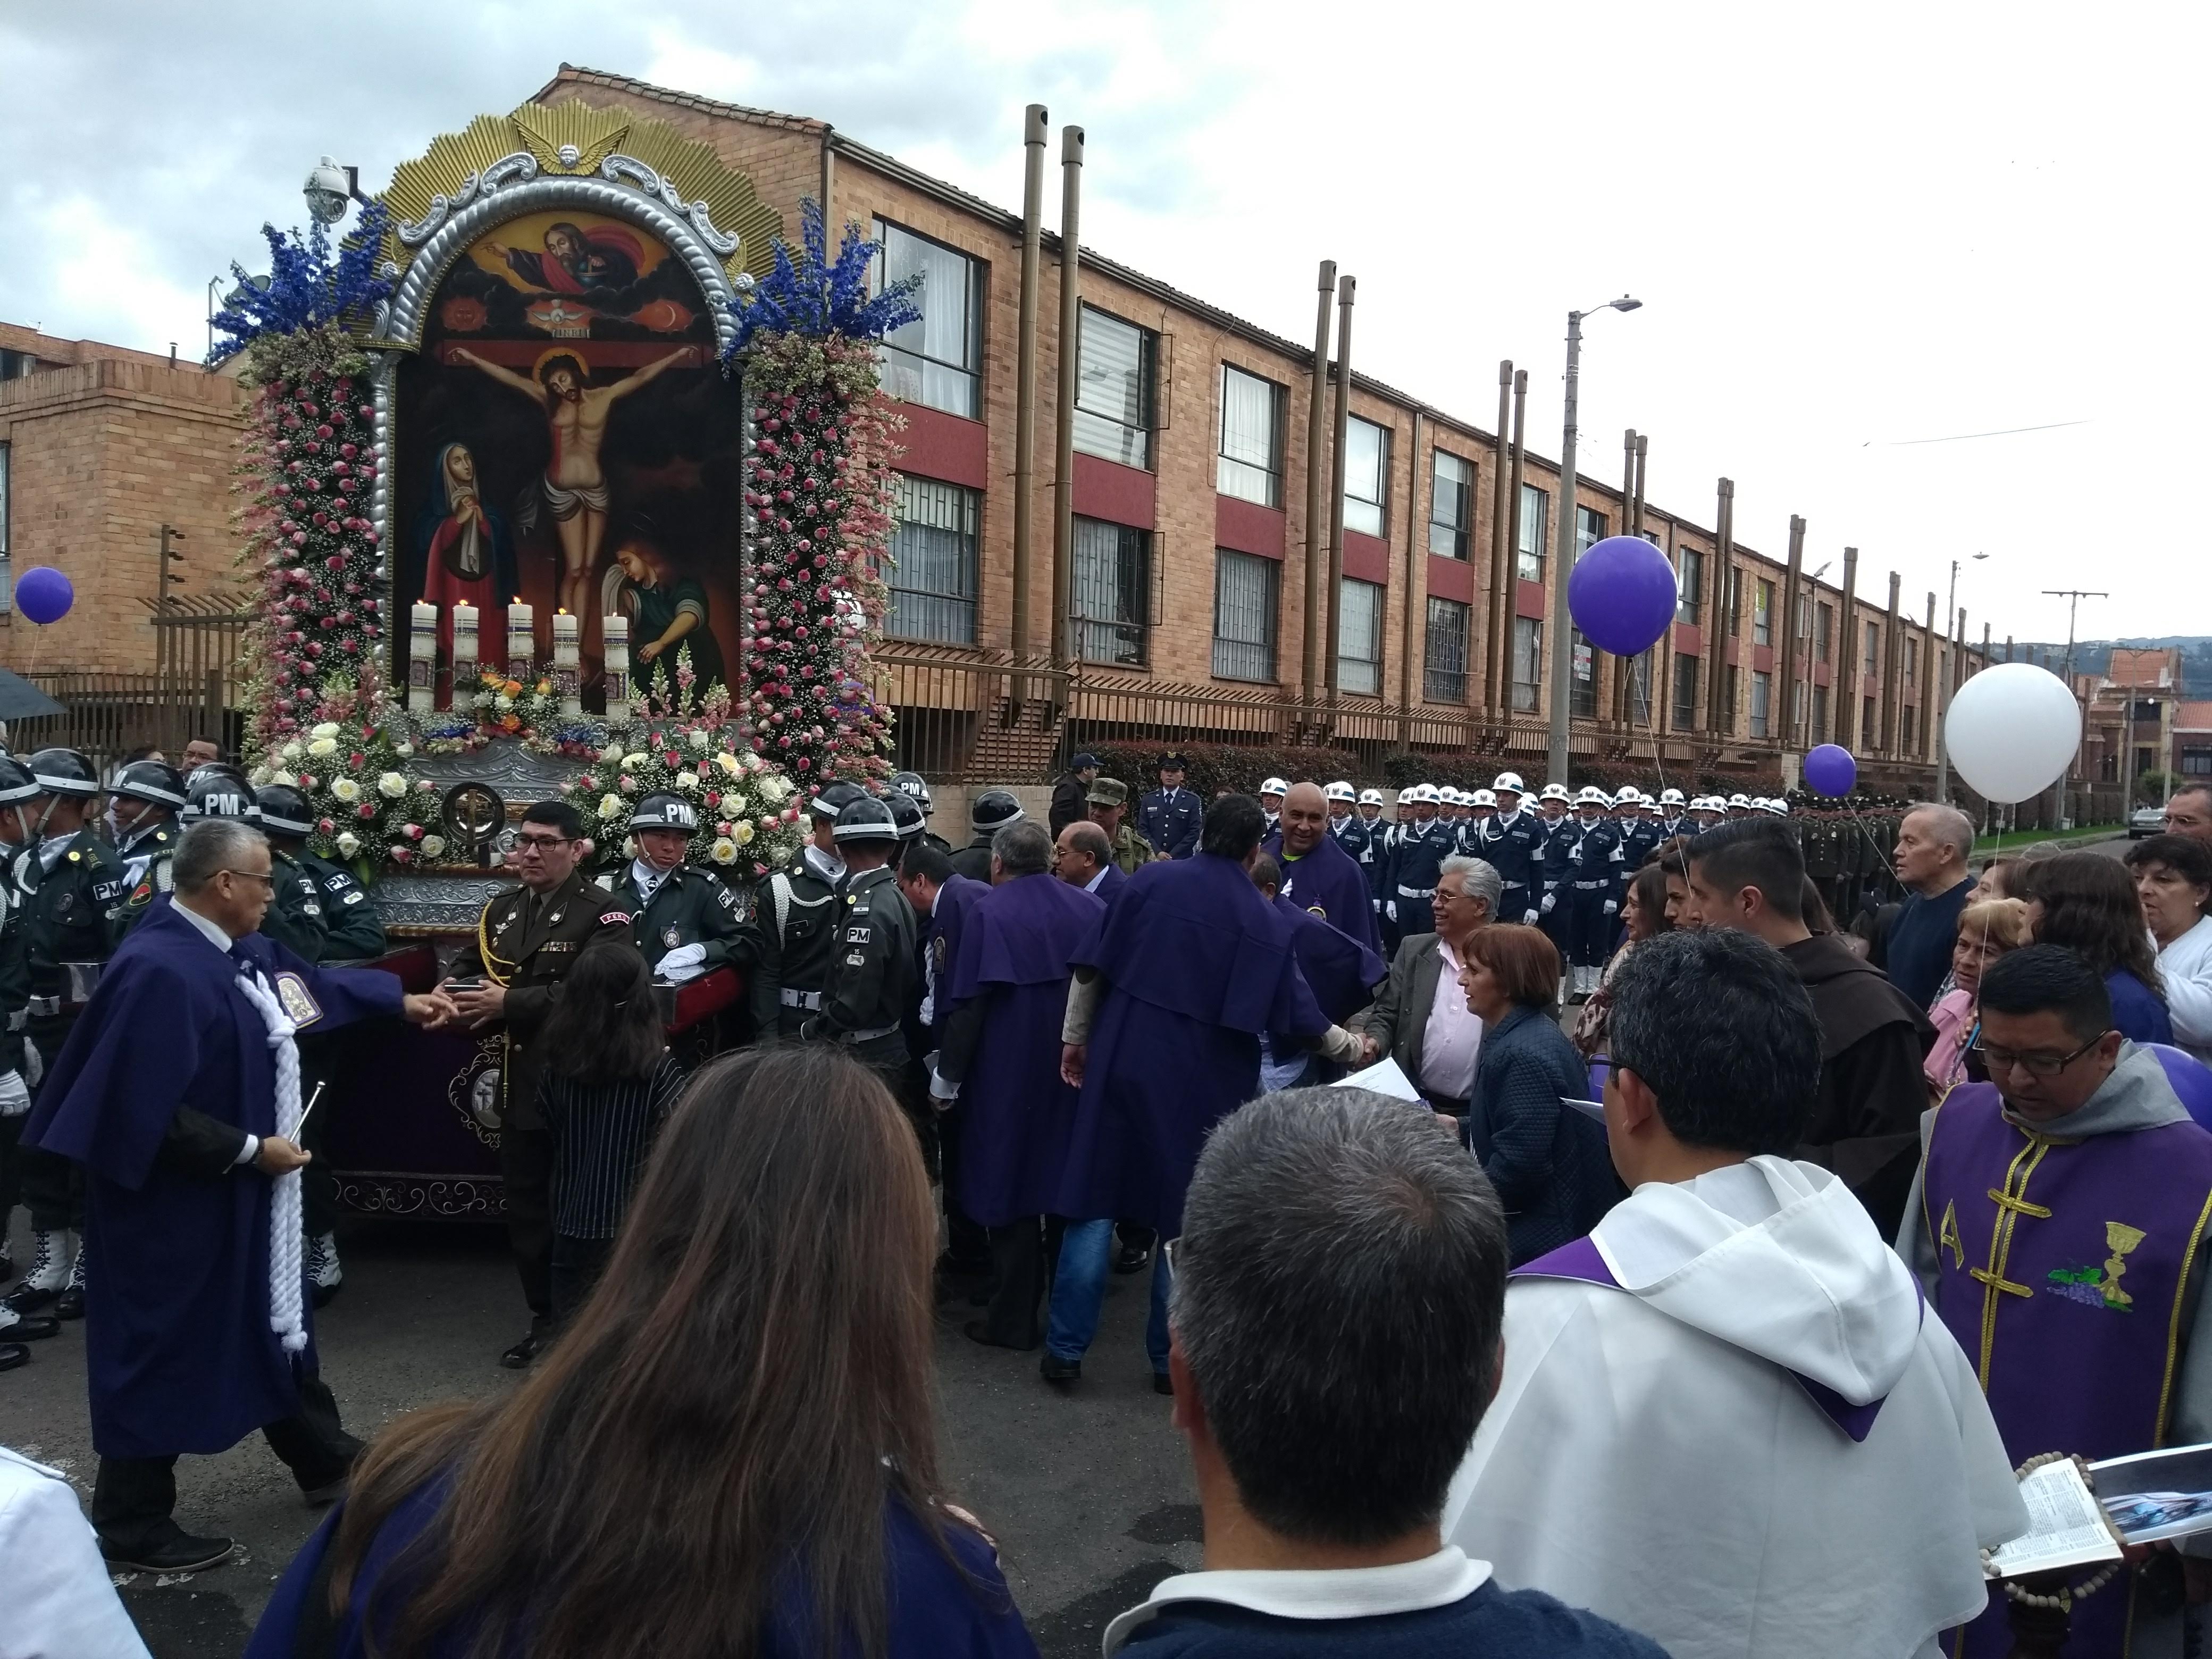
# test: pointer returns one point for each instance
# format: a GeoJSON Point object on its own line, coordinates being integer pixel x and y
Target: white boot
{"type": "Point", "coordinates": [325, 1275]}
{"type": "Point", "coordinates": [71, 1303]}
{"type": "Point", "coordinates": [50, 1262]}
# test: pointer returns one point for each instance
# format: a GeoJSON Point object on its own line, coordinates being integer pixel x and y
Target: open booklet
{"type": "Point", "coordinates": [2139, 1499]}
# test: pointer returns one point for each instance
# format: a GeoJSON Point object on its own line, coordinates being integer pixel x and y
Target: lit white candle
{"type": "Point", "coordinates": [464, 654]}
{"type": "Point", "coordinates": [521, 638]}
{"type": "Point", "coordinates": [422, 657]}
{"type": "Point", "coordinates": [566, 663]}
{"type": "Point", "coordinates": [615, 639]}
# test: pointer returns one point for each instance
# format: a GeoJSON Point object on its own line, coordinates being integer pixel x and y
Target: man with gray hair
{"type": "Point", "coordinates": [178, 1093]}
{"type": "Point", "coordinates": [1339, 1293]}
{"type": "Point", "coordinates": [1421, 1020]}
{"type": "Point", "coordinates": [1933, 845]}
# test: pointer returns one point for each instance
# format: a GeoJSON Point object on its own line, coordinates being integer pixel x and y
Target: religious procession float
{"type": "Point", "coordinates": [566, 476]}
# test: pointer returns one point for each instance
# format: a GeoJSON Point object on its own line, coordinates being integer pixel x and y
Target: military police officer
{"type": "Point", "coordinates": [141, 811]}
{"type": "Point", "coordinates": [1513, 845]}
{"type": "Point", "coordinates": [870, 979]}
{"type": "Point", "coordinates": [682, 918]}
{"type": "Point", "coordinates": [988, 813]}
{"type": "Point", "coordinates": [915, 789]}
{"type": "Point", "coordinates": [294, 916]}
{"type": "Point", "coordinates": [1170, 817]}
{"type": "Point", "coordinates": [70, 887]}
{"type": "Point", "coordinates": [1108, 800]}
{"type": "Point", "coordinates": [794, 922]}
{"type": "Point", "coordinates": [18, 789]}
{"type": "Point", "coordinates": [353, 930]}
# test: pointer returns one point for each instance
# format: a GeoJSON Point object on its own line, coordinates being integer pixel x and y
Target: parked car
{"type": "Point", "coordinates": [2146, 821]}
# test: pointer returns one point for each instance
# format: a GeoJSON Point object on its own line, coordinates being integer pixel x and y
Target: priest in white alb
{"type": "Point", "coordinates": [1726, 1418]}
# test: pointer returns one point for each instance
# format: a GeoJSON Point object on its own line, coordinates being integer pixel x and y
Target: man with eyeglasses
{"type": "Point", "coordinates": [509, 976]}
{"type": "Point", "coordinates": [2059, 1227]}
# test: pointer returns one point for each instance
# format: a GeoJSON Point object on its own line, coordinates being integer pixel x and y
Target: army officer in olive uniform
{"type": "Point", "coordinates": [510, 977]}
{"type": "Point", "coordinates": [871, 971]}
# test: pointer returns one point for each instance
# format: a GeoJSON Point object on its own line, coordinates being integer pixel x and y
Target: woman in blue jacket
{"type": "Point", "coordinates": [2088, 902]}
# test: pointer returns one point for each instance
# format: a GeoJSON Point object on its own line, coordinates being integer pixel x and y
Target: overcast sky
{"type": "Point", "coordinates": [1852, 229]}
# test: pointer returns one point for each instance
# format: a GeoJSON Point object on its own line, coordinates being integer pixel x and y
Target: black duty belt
{"type": "Point", "coordinates": [810, 1000]}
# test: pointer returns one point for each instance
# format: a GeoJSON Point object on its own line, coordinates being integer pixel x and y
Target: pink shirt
{"type": "Point", "coordinates": [1952, 1017]}
{"type": "Point", "coordinates": [1452, 1037]}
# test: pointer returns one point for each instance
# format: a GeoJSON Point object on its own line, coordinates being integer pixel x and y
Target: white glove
{"type": "Point", "coordinates": [14, 1093]}
{"type": "Point", "coordinates": [1390, 908]}
{"type": "Point", "coordinates": [940, 1092]}
{"type": "Point", "coordinates": [1529, 920]}
{"type": "Point", "coordinates": [34, 1067]}
{"type": "Point", "coordinates": [1611, 905]}
{"type": "Point", "coordinates": [1379, 906]}
{"type": "Point", "coordinates": [684, 964]}
{"type": "Point", "coordinates": [1550, 899]}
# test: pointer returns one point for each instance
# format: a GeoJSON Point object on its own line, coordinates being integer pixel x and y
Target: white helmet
{"type": "Point", "coordinates": [1778, 806]}
{"type": "Point", "coordinates": [1670, 798]}
{"type": "Point", "coordinates": [1505, 780]}
{"type": "Point", "coordinates": [1556, 792]}
{"type": "Point", "coordinates": [1447, 795]}
{"type": "Point", "coordinates": [1629, 796]}
{"type": "Point", "coordinates": [1275, 787]}
{"type": "Point", "coordinates": [1739, 800]}
{"type": "Point", "coordinates": [1341, 790]}
{"type": "Point", "coordinates": [1423, 794]}
{"type": "Point", "coordinates": [1370, 798]}
{"type": "Point", "coordinates": [1485, 798]}
{"type": "Point", "coordinates": [1591, 795]}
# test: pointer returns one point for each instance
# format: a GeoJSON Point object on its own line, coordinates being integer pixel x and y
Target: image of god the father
{"type": "Point", "coordinates": [574, 488]}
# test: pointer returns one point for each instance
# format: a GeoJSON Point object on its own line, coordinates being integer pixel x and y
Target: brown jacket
{"type": "Point", "coordinates": [530, 960]}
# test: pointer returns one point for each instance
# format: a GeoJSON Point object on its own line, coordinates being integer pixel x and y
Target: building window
{"type": "Point", "coordinates": [1732, 599]}
{"type": "Point", "coordinates": [1359, 637]}
{"type": "Point", "coordinates": [1451, 506]}
{"type": "Point", "coordinates": [1762, 614]}
{"type": "Point", "coordinates": [1366, 476]}
{"type": "Point", "coordinates": [1819, 712]}
{"type": "Point", "coordinates": [1762, 694]}
{"type": "Point", "coordinates": [1111, 592]}
{"type": "Point", "coordinates": [1114, 390]}
{"type": "Point", "coordinates": [13, 365]}
{"type": "Point", "coordinates": [2197, 763]}
{"type": "Point", "coordinates": [1250, 466]}
{"type": "Point", "coordinates": [1868, 724]}
{"type": "Point", "coordinates": [1690, 580]}
{"type": "Point", "coordinates": [7, 562]}
{"type": "Point", "coordinates": [1589, 529]}
{"type": "Point", "coordinates": [1725, 716]}
{"type": "Point", "coordinates": [1912, 663]}
{"type": "Point", "coordinates": [1824, 632]}
{"type": "Point", "coordinates": [1527, 661]}
{"type": "Point", "coordinates": [1244, 617]}
{"type": "Point", "coordinates": [933, 579]}
{"type": "Point", "coordinates": [1535, 532]}
{"type": "Point", "coordinates": [936, 359]}
{"type": "Point", "coordinates": [1444, 660]}
{"type": "Point", "coordinates": [1639, 689]}
{"type": "Point", "coordinates": [1581, 688]}
{"type": "Point", "coordinates": [1685, 693]}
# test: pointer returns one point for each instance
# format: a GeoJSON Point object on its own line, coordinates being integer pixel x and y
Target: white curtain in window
{"type": "Point", "coordinates": [1251, 459]}
{"type": "Point", "coordinates": [1360, 636]}
{"type": "Point", "coordinates": [1365, 448]}
{"type": "Point", "coordinates": [931, 360]}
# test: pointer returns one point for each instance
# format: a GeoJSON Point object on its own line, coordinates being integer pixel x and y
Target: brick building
{"type": "Point", "coordinates": [100, 447]}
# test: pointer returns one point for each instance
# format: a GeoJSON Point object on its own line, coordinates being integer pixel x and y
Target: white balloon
{"type": "Point", "coordinates": [2012, 730]}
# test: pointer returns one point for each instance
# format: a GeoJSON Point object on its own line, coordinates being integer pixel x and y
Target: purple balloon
{"type": "Point", "coordinates": [2191, 1077]}
{"type": "Point", "coordinates": [44, 594]}
{"type": "Point", "coordinates": [1829, 770]}
{"type": "Point", "coordinates": [1622, 595]}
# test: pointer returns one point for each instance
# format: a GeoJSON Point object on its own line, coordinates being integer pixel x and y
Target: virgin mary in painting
{"type": "Point", "coordinates": [468, 555]}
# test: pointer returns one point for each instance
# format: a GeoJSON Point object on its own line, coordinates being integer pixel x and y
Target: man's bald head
{"type": "Point", "coordinates": [1305, 819]}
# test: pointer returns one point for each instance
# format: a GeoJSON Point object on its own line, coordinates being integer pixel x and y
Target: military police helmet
{"type": "Point", "coordinates": [64, 772]}
{"type": "Point", "coordinates": [1276, 787]}
{"type": "Point", "coordinates": [16, 783]}
{"type": "Point", "coordinates": [915, 787]}
{"type": "Point", "coordinates": [1555, 792]}
{"type": "Point", "coordinates": [833, 798]}
{"type": "Point", "coordinates": [1370, 798]}
{"type": "Point", "coordinates": [865, 819]}
{"type": "Point", "coordinates": [993, 811]}
{"type": "Point", "coordinates": [1485, 798]}
{"type": "Point", "coordinates": [1423, 794]}
{"type": "Point", "coordinates": [214, 795]}
{"type": "Point", "coordinates": [906, 815]}
{"type": "Point", "coordinates": [285, 811]}
{"type": "Point", "coordinates": [1339, 791]}
{"type": "Point", "coordinates": [1670, 798]}
{"type": "Point", "coordinates": [151, 781]}
{"type": "Point", "coordinates": [1591, 795]}
{"type": "Point", "coordinates": [660, 811]}
{"type": "Point", "coordinates": [1505, 780]}
{"type": "Point", "coordinates": [1778, 806]}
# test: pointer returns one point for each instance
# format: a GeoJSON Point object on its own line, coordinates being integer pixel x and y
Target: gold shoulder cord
{"type": "Point", "coordinates": [497, 968]}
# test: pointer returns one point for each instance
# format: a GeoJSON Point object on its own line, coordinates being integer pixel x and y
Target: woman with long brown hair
{"type": "Point", "coordinates": [731, 1452]}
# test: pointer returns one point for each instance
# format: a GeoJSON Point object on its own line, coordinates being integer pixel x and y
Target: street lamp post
{"type": "Point", "coordinates": [1943, 691]}
{"type": "Point", "coordinates": [1562, 555]}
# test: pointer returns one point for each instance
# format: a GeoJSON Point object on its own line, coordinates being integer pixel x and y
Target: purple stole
{"type": "Point", "coordinates": [1580, 1260]}
{"type": "Point", "coordinates": [2062, 1269]}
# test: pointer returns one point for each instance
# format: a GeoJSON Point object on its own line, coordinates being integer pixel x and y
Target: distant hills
{"type": "Point", "coordinates": [2094, 656]}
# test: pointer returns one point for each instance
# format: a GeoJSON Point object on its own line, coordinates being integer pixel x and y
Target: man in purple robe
{"type": "Point", "coordinates": [940, 898]}
{"type": "Point", "coordinates": [2059, 1226]}
{"type": "Point", "coordinates": [1339, 970]}
{"type": "Point", "coordinates": [1006, 995]}
{"type": "Point", "coordinates": [1318, 875]}
{"type": "Point", "coordinates": [169, 1093]}
{"type": "Point", "coordinates": [1170, 998]}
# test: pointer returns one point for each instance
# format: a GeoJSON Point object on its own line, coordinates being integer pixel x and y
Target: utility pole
{"type": "Point", "coordinates": [2073, 595]}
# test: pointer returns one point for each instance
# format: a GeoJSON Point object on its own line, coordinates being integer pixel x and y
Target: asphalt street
{"type": "Point", "coordinates": [1087, 1494]}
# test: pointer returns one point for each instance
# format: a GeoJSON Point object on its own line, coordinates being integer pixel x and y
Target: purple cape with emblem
{"type": "Point", "coordinates": [1328, 883]}
{"type": "Point", "coordinates": [940, 938]}
{"type": "Point", "coordinates": [1341, 971]}
{"type": "Point", "coordinates": [178, 1351]}
{"type": "Point", "coordinates": [1197, 964]}
{"type": "Point", "coordinates": [1015, 945]}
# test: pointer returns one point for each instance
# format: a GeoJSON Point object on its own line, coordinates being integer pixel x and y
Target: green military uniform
{"type": "Point", "coordinates": [871, 972]}
{"type": "Point", "coordinates": [138, 850]}
{"type": "Point", "coordinates": [1131, 850]}
{"type": "Point", "coordinates": [355, 930]}
{"type": "Point", "coordinates": [527, 943]}
{"type": "Point", "coordinates": [14, 1005]}
{"type": "Point", "coordinates": [293, 919]}
{"type": "Point", "coordinates": [794, 935]}
{"type": "Point", "coordinates": [687, 906]}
